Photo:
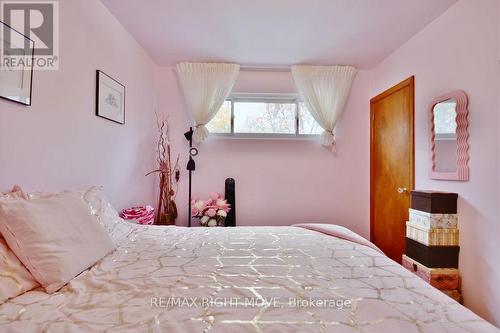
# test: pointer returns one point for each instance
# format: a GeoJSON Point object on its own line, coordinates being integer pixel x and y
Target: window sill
{"type": "Point", "coordinates": [250, 136]}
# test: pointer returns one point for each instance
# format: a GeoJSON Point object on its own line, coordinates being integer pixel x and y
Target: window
{"type": "Point", "coordinates": [264, 116]}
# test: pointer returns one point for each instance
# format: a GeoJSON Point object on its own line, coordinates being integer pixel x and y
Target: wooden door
{"type": "Point", "coordinates": [392, 167]}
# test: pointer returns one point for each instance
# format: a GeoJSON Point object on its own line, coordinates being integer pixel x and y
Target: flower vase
{"type": "Point", "coordinates": [212, 222]}
{"type": "Point", "coordinates": [167, 219]}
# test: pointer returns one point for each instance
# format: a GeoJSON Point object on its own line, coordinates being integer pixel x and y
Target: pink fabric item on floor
{"type": "Point", "coordinates": [141, 214]}
{"type": "Point", "coordinates": [338, 231]}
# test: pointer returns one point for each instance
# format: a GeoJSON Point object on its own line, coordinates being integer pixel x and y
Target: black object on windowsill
{"type": "Point", "coordinates": [191, 166]}
{"type": "Point", "coordinates": [230, 197]}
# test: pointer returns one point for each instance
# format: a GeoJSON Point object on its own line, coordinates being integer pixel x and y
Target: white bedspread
{"type": "Point", "coordinates": [246, 279]}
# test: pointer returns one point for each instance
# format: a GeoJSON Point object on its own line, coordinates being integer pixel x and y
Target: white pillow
{"type": "Point", "coordinates": [101, 208]}
{"type": "Point", "coordinates": [106, 214]}
{"type": "Point", "coordinates": [55, 238]}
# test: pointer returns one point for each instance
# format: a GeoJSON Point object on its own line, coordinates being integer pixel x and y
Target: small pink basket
{"type": "Point", "coordinates": [139, 215]}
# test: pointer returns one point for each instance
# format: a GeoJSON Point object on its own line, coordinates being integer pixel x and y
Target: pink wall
{"type": "Point", "coordinates": [281, 182]}
{"type": "Point", "coordinates": [59, 143]}
{"type": "Point", "coordinates": [459, 50]}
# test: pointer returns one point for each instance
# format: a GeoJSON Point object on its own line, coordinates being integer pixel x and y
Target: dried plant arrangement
{"type": "Point", "coordinates": [168, 173]}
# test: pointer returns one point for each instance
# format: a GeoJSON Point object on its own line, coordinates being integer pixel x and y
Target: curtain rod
{"type": "Point", "coordinates": [256, 68]}
{"type": "Point", "coordinates": [264, 68]}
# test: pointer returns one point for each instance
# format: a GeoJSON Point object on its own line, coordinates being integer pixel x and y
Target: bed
{"type": "Point", "coordinates": [244, 279]}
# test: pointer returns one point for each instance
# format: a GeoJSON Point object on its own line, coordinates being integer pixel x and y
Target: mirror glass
{"type": "Point", "coordinates": [445, 136]}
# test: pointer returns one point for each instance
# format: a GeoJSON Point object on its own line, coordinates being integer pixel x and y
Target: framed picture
{"type": "Point", "coordinates": [110, 100]}
{"type": "Point", "coordinates": [17, 54]}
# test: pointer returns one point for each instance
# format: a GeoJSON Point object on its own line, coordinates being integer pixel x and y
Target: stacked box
{"type": "Point", "coordinates": [432, 240]}
{"type": "Point", "coordinates": [440, 278]}
{"type": "Point", "coordinates": [455, 294]}
{"type": "Point", "coordinates": [432, 256]}
{"type": "Point", "coordinates": [431, 236]}
{"type": "Point", "coordinates": [434, 221]}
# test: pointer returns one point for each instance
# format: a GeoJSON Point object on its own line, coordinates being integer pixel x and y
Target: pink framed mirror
{"type": "Point", "coordinates": [449, 137]}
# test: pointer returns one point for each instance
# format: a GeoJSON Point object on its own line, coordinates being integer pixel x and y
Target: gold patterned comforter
{"type": "Point", "coordinates": [245, 279]}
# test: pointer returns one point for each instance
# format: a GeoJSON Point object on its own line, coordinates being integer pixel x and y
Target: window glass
{"type": "Point", "coordinates": [264, 117]}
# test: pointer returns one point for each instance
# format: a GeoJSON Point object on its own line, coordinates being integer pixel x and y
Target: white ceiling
{"type": "Point", "coordinates": [274, 32]}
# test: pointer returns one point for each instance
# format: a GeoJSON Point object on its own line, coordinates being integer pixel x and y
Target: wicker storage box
{"type": "Point", "coordinates": [440, 278]}
{"type": "Point", "coordinates": [429, 220]}
{"type": "Point", "coordinates": [455, 294]}
{"type": "Point", "coordinates": [432, 237]}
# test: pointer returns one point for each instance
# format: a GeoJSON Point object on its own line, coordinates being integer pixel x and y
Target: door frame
{"type": "Point", "coordinates": [411, 83]}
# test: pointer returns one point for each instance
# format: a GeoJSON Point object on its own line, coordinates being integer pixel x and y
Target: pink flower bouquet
{"type": "Point", "coordinates": [211, 212]}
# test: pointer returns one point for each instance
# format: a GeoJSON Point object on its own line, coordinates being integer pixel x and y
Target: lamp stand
{"type": "Point", "coordinates": [191, 166]}
{"type": "Point", "coordinates": [189, 207]}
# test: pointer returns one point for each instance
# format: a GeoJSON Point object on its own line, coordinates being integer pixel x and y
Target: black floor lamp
{"type": "Point", "coordinates": [191, 166]}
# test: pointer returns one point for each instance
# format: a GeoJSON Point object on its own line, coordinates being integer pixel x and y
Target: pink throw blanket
{"type": "Point", "coordinates": [338, 231]}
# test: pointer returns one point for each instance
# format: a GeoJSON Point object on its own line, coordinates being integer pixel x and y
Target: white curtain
{"type": "Point", "coordinates": [325, 90]}
{"type": "Point", "coordinates": [205, 87]}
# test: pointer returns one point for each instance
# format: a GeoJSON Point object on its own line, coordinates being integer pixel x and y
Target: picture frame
{"type": "Point", "coordinates": [17, 58]}
{"type": "Point", "coordinates": [110, 98]}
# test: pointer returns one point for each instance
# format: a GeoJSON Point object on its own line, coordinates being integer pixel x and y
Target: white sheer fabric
{"type": "Point", "coordinates": [205, 87]}
{"type": "Point", "coordinates": [325, 90]}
